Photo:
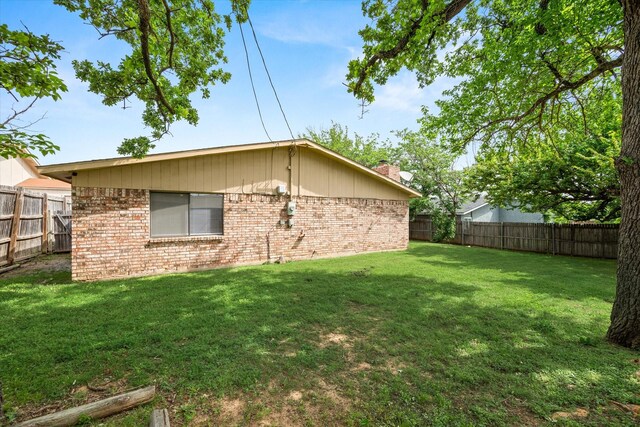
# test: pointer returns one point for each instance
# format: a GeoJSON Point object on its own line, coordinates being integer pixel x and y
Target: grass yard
{"type": "Point", "coordinates": [437, 335]}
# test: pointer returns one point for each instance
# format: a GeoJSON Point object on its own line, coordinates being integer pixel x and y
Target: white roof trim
{"type": "Point", "coordinates": [474, 209]}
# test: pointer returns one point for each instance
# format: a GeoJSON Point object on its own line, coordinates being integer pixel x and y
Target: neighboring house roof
{"type": "Point", "coordinates": [467, 208]}
{"type": "Point", "coordinates": [44, 183]}
{"type": "Point", "coordinates": [64, 171]}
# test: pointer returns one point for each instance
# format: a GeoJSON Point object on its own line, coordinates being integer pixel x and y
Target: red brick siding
{"type": "Point", "coordinates": [111, 232]}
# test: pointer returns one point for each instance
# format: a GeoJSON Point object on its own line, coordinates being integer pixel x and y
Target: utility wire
{"type": "Point", "coordinates": [268, 75]}
{"type": "Point", "coordinates": [255, 96]}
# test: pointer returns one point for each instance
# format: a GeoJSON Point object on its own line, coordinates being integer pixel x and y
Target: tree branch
{"type": "Point", "coordinates": [17, 113]}
{"type": "Point", "coordinates": [448, 13]}
{"type": "Point", "coordinates": [172, 36]}
{"type": "Point", "coordinates": [145, 27]}
{"type": "Point", "coordinates": [563, 86]}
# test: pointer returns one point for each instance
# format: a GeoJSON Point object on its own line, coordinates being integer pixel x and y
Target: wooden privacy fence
{"type": "Point", "coordinates": [61, 230]}
{"type": "Point", "coordinates": [588, 240]}
{"type": "Point", "coordinates": [26, 225]}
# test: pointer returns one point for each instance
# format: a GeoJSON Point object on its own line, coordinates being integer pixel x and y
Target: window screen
{"type": "Point", "coordinates": [205, 214]}
{"type": "Point", "coordinates": [183, 214]}
{"type": "Point", "coordinates": [169, 214]}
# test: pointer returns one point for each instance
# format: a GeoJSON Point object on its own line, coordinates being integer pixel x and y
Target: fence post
{"type": "Point", "coordinates": [45, 229]}
{"type": "Point", "coordinates": [553, 238]}
{"type": "Point", "coordinates": [15, 227]}
{"type": "Point", "coordinates": [502, 235]}
{"type": "Point", "coordinates": [573, 238]}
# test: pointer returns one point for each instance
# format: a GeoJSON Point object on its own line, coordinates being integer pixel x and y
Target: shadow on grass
{"type": "Point", "coordinates": [439, 350]}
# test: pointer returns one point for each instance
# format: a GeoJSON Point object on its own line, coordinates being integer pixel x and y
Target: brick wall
{"type": "Point", "coordinates": [111, 232]}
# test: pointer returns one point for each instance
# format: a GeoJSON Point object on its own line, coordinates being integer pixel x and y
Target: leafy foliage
{"type": "Point", "coordinates": [367, 151]}
{"type": "Point", "coordinates": [434, 175]}
{"type": "Point", "coordinates": [520, 63]}
{"type": "Point", "coordinates": [27, 74]}
{"type": "Point", "coordinates": [570, 173]}
{"type": "Point", "coordinates": [538, 92]}
{"type": "Point", "coordinates": [176, 49]}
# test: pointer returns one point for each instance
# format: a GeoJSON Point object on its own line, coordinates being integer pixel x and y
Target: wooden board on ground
{"type": "Point", "coordinates": [160, 418]}
{"type": "Point", "coordinates": [100, 409]}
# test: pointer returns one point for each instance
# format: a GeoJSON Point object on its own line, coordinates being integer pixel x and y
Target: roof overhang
{"type": "Point", "coordinates": [65, 171]}
{"type": "Point", "coordinates": [474, 209]}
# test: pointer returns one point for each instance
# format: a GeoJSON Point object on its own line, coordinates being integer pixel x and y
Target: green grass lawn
{"type": "Point", "coordinates": [435, 335]}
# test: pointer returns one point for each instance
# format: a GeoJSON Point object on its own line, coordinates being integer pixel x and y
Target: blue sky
{"type": "Point", "coordinates": [307, 45]}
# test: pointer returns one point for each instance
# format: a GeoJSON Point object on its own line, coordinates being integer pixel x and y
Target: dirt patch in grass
{"type": "Point", "coordinates": [41, 264]}
{"type": "Point", "coordinates": [321, 403]}
{"type": "Point", "coordinates": [232, 409]}
{"type": "Point", "coordinates": [628, 407]}
{"type": "Point", "coordinates": [295, 395]}
{"type": "Point", "coordinates": [362, 366]}
{"type": "Point", "coordinates": [579, 413]}
{"type": "Point", "coordinates": [330, 391]}
{"type": "Point", "coordinates": [335, 339]}
{"type": "Point", "coordinates": [395, 366]}
{"type": "Point", "coordinates": [518, 409]}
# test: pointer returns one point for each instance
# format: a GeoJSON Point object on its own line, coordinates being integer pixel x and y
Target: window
{"type": "Point", "coordinates": [184, 214]}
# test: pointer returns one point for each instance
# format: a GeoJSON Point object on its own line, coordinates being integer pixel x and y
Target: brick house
{"type": "Point", "coordinates": [232, 205]}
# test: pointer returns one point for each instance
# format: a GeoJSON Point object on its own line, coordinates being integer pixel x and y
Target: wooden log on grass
{"type": "Point", "coordinates": [100, 409]}
{"type": "Point", "coordinates": [9, 268]}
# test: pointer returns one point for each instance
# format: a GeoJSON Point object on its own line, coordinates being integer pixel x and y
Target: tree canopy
{"type": "Point", "coordinates": [519, 62]}
{"type": "Point", "coordinates": [176, 49]}
{"type": "Point", "coordinates": [570, 173]}
{"type": "Point", "coordinates": [367, 151]}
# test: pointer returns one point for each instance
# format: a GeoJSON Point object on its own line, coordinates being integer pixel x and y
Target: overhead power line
{"type": "Point", "coordinates": [269, 76]}
{"type": "Point", "coordinates": [255, 96]}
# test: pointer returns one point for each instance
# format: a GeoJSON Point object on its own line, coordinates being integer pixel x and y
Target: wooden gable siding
{"type": "Point", "coordinates": [248, 172]}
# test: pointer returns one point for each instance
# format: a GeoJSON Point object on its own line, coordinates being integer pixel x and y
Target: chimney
{"type": "Point", "coordinates": [388, 170]}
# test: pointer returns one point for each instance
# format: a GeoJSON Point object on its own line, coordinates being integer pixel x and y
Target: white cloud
{"type": "Point", "coordinates": [310, 33]}
{"type": "Point", "coordinates": [401, 94]}
{"type": "Point", "coordinates": [307, 24]}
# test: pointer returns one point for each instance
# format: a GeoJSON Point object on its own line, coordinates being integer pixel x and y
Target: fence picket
{"type": "Point", "coordinates": [25, 229]}
{"type": "Point", "coordinates": [588, 240]}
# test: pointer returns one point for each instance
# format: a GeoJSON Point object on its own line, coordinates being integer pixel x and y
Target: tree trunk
{"type": "Point", "coordinates": [625, 316]}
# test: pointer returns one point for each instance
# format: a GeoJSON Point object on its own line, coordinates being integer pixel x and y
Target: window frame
{"type": "Point", "coordinates": [188, 235]}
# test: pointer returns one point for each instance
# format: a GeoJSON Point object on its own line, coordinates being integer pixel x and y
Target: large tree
{"type": "Point", "coordinates": [521, 65]}
{"type": "Point", "coordinates": [175, 49]}
{"type": "Point", "coordinates": [442, 185]}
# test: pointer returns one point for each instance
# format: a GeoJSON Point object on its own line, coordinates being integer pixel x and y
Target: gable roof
{"type": "Point", "coordinates": [472, 206]}
{"type": "Point", "coordinates": [64, 171]}
{"type": "Point", "coordinates": [44, 183]}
